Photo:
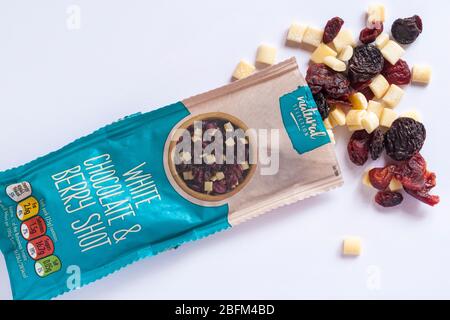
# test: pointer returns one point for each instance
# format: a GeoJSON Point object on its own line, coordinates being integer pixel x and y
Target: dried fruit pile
{"type": "Point", "coordinates": [359, 85]}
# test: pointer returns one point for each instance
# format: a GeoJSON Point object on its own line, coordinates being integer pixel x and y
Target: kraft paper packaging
{"type": "Point", "coordinates": [127, 191]}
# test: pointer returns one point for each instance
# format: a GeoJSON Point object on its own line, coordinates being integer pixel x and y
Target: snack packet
{"type": "Point", "coordinates": [153, 181]}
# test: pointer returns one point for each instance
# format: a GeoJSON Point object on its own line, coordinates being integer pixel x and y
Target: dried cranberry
{"type": "Point", "coordinates": [407, 30]}
{"type": "Point", "coordinates": [322, 105]}
{"type": "Point", "coordinates": [332, 29]}
{"type": "Point", "coordinates": [358, 147]}
{"type": "Point", "coordinates": [424, 197]}
{"type": "Point", "coordinates": [398, 74]}
{"type": "Point", "coordinates": [376, 146]}
{"type": "Point", "coordinates": [332, 84]}
{"type": "Point", "coordinates": [388, 199]}
{"type": "Point", "coordinates": [405, 138]}
{"type": "Point", "coordinates": [380, 178]}
{"type": "Point", "coordinates": [412, 173]}
{"type": "Point", "coordinates": [366, 63]}
{"type": "Point", "coordinates": [369, 34]}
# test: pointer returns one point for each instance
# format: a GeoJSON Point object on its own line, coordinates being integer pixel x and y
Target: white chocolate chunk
{"type": "Point", "coordinates": [376, 13]}
{"type": "Point", "coordinates": [296, 33]}
{"type": "Point", "coordinates": [392, 52]}
{"type": "Point", "coordinates": [266, 55]}
{"type": "Point", "coordinates": [421, 74]}
{"type": "Point", "coordinates": [338, 116]}
{"type": "Point", "coordinates": [228, 127]}
{"type": "Point", "coordinates": [388, 117]}
{"type": "Point", "coordinates": [379, 86]}
{"type": "Point", "coordinates": [244, 166]}
{"type": "Point", "coordinates": [393, 96]}
{"type": "Point", "coordinates": [366, 180]}
{"type": "Point", "coordinates": [375, 107]}
{"type": "Point", "coordinates": [230, 142]}
{"type": "Point", "coordinates": [343, 39]}
{"type": "Point", "coordinates": [327, 124]}
{"type": "Point", "coordinates": [354, 117]}
{"type": "Point", "coordinates": [243, 70]}
{"type": "Point", "coordinates": [382, 40]}
{"type": "Point", "coordinates": [352, 246]}
{"type": "Point", "coordinates": [335, 64]}
{"type": "Point", "coordinates": [208, 186]}
{"type": "Point", "coordinates": [346, 53]}
{"type": "Point", "coordinates": [185, 156]}
{"type": "Point", "coordinates": [321, 52]}
{"type": "Point", "coordinates": [313, 36]}
{"type": "Point", "coordinates": [220, 175]}
{"type": "Point", "coordinates": [333, 123]}
{"type": "Point", "coordinates": [413, 114]}
{"type": "Point", "coordinates": [395, 185]}
{"type": "Point", "coordinates": [355, 128]}
{"type": "Point", "coordinates": [188, 175]}
{"type": "Point", "coordinates": [331, 135]}
{"type": "Point", "coordinates": [358, 101]}
{"type": "Point", "coordinates": [370, 122]}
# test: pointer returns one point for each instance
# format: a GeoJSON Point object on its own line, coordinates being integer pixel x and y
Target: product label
{"type": "Point", "coordinates": [302, 120]}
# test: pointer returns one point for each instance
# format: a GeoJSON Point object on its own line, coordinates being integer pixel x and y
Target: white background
{"type": "Point", "coordinates": [58, 84]}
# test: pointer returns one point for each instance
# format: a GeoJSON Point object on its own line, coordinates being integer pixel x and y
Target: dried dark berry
{"type": "Point", "coordinates": [376, 145]}
{"type": "Point", "coordinates": [367, 62]}
{"type": "Point", "coordinates": [358, 147]}
{"type": "Point", "coordinates": [405, 138]}
{"type": "Point", "coordinates": [388, 199]}
{"type": "Point", "coordinates": [369, 34]}
{"type": "Point", "coordinates": [364, 88]}
{"type": "Point", "coordinates": [407, 30]}
{"type": "Point", "coordinates": [398, 74]}
{"type": "Point", "coordinates": [332, 29]}
{"type": "Point", "coordinates": [381, 177]}
{"type": "Point", "coordinates": [332, 84]}
{"type": "Point", "coordinates": [322, 105]}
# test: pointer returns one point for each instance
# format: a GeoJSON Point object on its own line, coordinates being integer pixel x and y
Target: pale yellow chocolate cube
{"type": "Point", "coordinates": [421, 74]}
{"type": "Point", "coordinates": [393, 96]}
{"type": "Point", "coordinates": [243, 70]}
{"type": "Point", "coordinates": [392, 51]}
{"type": "Point", "coordinates": [343, 39]}
{"type": "Point", "coordinates": [358, 101]}
{"type": "Point", "coordinates": [335, 64]}
{"type": "Point", "coordinates": [352, 246]}
{"type": "Point", "coordinates": [220, 175]}
{"type": "Point", "coordinates": [382, 40]}
{"type": "Point", "coordinates": [208, 186]}
{"type": "Point", "coordinates": [321, 52]}
{"type": "Point", "coordinates": [346, 53]}
{"type": "Point", "coordinates": [354, 117]}
{"type": "Point", "coordinates": [366, 179]}
{"type": "Point", "coordinates": [395, 185]}
{"type": "Point", "coordinates": [388, 117]}
{"type": "Point", "coordinates": [327, 124]}
{"type": "Point", "coordinates": [370, 122]}
{"type": "Point", "coordinates": [379, 86]}
{"type": "Point", "coordinates": [376, 13]}
{"type": "Point", "coordinates": [331, 135]}
{"type": "Point", "coordinates": [375, 107]}
{"type": "Point", "coordinates": [266, 55]}
{"type": "Point", "coordinates": [313, 36]}
{"type": "Point", "coordinates": [338, 115]}
{"type": "Point", "coordinates": [296, 33]}
{"type": "Point", "coordinates": [187, 175]}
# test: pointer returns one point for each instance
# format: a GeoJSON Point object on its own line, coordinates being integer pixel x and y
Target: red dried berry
{"type": "Point", "coordinates": [358, 147]}
{"type": "Point", "coordinates": [332, 84]}
{"type": "Point", "coordinates": [412, 173]}
{"type": "Point", "coordinates": [424, 197]}
{"type": "Point", "coordinates": [369, 34]}
{"type": "Point", "coordinates": [364, 88]}
{"type": "Point", "coordinates": [388, 199]}
{"type": "Point", "coordinates": [398, 74]}
{"type": "Point", "coordinates": [380, 178]}
{"type": "Point", "coordinates": [332, 29]}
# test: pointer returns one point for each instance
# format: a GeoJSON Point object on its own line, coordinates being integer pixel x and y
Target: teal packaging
{"type": "Point", "coordinates": [119, 195]}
